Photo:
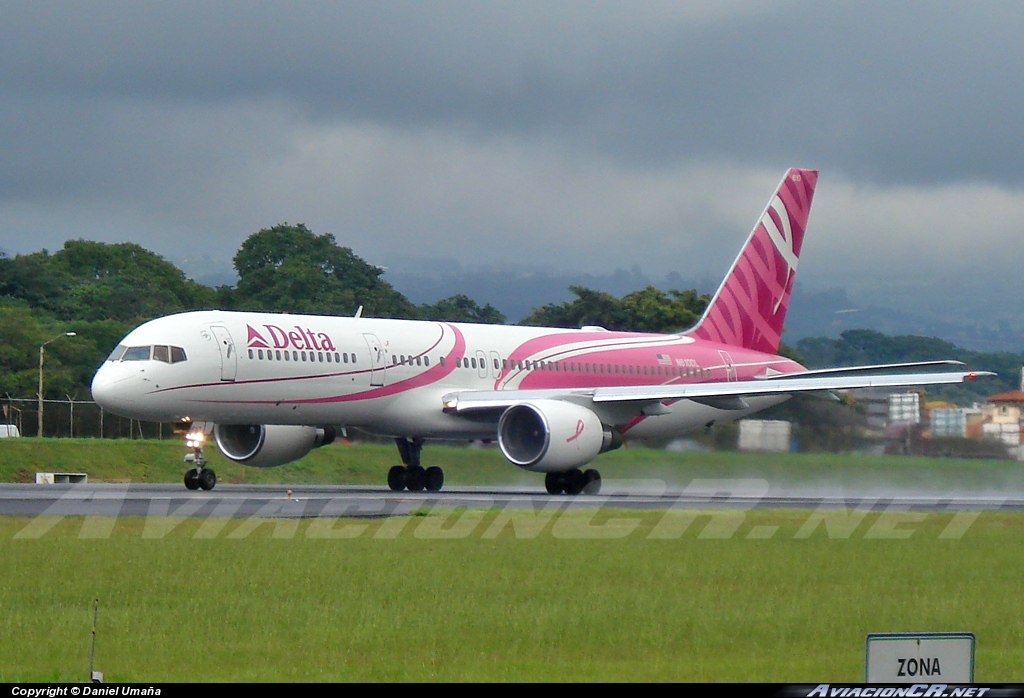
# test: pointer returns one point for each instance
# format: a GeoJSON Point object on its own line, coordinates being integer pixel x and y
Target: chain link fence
{"type": "Point", "coordinates": [71, 418]}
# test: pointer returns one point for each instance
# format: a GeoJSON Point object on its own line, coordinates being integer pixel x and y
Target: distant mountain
{"type": "Point", "coordinates": [827, 313]}
{"type": "Point", "coordinates": [971, 312]}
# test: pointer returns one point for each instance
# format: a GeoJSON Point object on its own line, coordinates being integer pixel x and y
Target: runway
{"type": "Point", "coordinates": [308, 501]}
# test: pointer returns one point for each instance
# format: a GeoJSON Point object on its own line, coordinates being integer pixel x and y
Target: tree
{"type": "Point", "coordinates": [646, 310]}
{"type": "Point", "coordinates": [288, 268]}
{"type": "Point", "coordinates": [461, 308]}
{"type": "Point", "coordinates": [21, 334]}
{"type": "Point", "coordinates": [98, 281]}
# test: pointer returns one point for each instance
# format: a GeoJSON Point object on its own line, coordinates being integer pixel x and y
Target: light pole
{"type": "Point", "coordinates": [41, 347]}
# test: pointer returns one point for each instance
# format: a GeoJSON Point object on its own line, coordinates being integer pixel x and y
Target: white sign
{"type": "Point", "coordinates": [917, 657]}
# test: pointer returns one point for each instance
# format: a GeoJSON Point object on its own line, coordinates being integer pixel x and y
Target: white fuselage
{"type": "Point", "coordinates": [390, 376]}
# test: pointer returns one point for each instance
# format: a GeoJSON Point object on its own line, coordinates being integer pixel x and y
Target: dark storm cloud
{"type": "Point", "coordinates": [913, 91]}
{"type": "Point", "coordinates": [451, 128]}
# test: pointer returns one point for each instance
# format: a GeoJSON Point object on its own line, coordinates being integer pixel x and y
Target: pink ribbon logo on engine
{"type": "Point", "coordinates": [579, 430]}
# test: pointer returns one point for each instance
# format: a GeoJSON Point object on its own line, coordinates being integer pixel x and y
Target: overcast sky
{"type": "Point", "coordinates": [576, 135]}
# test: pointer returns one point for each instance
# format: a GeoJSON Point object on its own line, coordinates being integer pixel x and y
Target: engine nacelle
{"type": "Point", "coordinates": [267, 445]}
{"type": "Point", "coordinates": [551, 435]}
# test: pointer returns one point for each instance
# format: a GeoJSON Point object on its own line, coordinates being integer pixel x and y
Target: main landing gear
{"type": "Point", "coordinates": [573, 482]}
{"type": "Point", "coordinates": [412, 476]}
{"type": "Point", "coordinates": [199, 477]}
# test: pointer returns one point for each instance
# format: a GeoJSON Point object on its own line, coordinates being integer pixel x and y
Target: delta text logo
{"type": "Point", "coordinates": [299, 338]}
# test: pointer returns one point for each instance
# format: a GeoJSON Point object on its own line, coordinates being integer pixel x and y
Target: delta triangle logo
{"type": "Point", "coordinates": [300, 338]}
{"type": "Point", "coordinates": [256, 339]}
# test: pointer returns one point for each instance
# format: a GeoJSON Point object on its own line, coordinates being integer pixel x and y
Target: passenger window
{"type": "Point", "coordinates": [136, 354]}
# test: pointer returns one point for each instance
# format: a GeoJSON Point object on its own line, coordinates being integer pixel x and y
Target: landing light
{"type": "Point", "coordinates": [195, 439]}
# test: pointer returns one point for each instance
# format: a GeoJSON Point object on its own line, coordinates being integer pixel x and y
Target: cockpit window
{"type": "Point", "coordinates": [160, 352]}
{"type": "Point", "coordinates": [136, 354]}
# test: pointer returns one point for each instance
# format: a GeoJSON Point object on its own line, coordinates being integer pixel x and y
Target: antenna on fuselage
{"type": "Point", "coordinates": [359, 312]}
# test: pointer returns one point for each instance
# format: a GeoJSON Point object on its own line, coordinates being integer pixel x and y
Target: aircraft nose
{"type": "Point", "coordinates": [110, 391]}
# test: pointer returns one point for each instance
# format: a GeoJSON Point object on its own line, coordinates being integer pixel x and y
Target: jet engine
{"type": "Point", "coordinates": [551, 435]}
{"type": "Point", "coordinates": [267, 445]}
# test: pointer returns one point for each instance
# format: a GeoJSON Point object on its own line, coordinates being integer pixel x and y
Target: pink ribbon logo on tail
{"type": "Point", "coordinates": [579, 430]}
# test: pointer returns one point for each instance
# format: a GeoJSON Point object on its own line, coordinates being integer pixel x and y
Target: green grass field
{"type": "Point", "coordinates": [466, 595]}
{"type": "Point", "coordinates": [367, 464]}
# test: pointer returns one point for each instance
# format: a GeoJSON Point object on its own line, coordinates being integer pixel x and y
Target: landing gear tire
{"type": "Point", "coordinates": [207, 479]}
{"type": "Point", "coordinates": [554, 483]}
{"type": "Point", "coordinates": [192, 479]}
{"type": "Point", "coordinates": [411, 475]}
{"type": "Point", "coordinates": [575, 481]}
{"type": "Point", "coordinates": [396, 478]}
{"type": "Point", "coordinates": [415, 478]}
{"type": "Point", "coordinates": [434, 479]}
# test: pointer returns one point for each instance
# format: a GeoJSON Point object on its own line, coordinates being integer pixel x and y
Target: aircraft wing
{"type": "Point", "coordinates": [727, 395]}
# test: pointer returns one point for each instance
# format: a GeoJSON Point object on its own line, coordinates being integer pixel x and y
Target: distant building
{"type": "Point", "coordinates": [1001, 418]}
{"type": "Point", "coordinates": [884, 407]}
{"type": "Point", "coordinates": [905, 408]}
{"type": "Point", "coordinates": [948, 421]}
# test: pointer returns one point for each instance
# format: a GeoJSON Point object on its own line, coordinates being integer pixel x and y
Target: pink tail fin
{"type": "Point", "coordinates": [750, 306]}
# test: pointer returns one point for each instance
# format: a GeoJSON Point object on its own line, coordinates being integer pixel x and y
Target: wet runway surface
{"type": "Point", "coordinates": [243, 501]}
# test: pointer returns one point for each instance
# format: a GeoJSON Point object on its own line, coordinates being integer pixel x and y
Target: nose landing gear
{"type": "Point", "coordinates": [199, 477]}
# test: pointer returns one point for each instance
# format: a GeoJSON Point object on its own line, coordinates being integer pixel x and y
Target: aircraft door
{"type": "Point", "coordinates": [228, 355]}
{"type": "Point", "coordinates": [481, 363]}
{"type": "Point", "coordinates": [495, 365]}
{"type": "Point", "coordinates": [730, 368]}
{"type": "Point", "coordinates": [377, 359]}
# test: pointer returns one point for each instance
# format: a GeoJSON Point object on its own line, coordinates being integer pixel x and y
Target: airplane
{"type": "Point", "coordinates": [271, 387]}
